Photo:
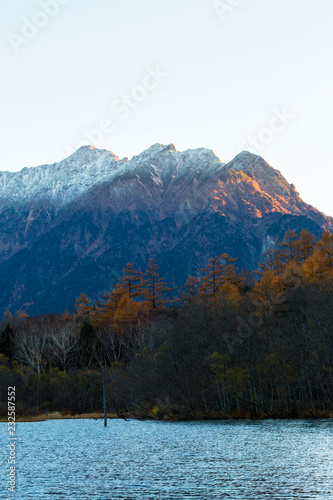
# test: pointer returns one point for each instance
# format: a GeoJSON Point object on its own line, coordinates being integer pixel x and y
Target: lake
{"type": "Point", "coordinates": [257, 460]}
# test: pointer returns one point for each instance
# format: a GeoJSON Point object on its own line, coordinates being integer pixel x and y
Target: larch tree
{"type": "Point", "coordinates": [268, 294]}
{"type": "Point", "coordinates": [319, 267]}
{"type": "Point", "coordinates": [190, 290]}
{"type": "Point", "coordinates": [305, 245]}
{"type": "Point", "coordinates": [154, 288]}
{"type": "Point", "coordinates": [270, 262]}
{"type": "Point", "coordinates": [107, 307]}
{"type": "Point", "coordinates": [131, 281]}
{"type": "Point", "coordinates": [220, 270]}
{"type": "Point", "coordinates": [211, 280]}
{"type": "Point", "coordinates": [83, 306]}
{"type": "Point", "coordinates": [287, 249]}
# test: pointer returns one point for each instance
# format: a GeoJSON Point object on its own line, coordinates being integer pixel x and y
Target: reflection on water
{"type": "Point", "coordinates": [80, 459]}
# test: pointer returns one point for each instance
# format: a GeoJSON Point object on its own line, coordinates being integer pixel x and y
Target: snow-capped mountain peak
{"type": "Point", "coordinates": [63, 181]}
{"type": "Point", "coordinates": [72, 226]}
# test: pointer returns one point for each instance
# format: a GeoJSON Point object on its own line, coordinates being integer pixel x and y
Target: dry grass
{"type": "Point", "coordinates": [237, 415]}
{"type": "Point", "coordinates": [56, 415]}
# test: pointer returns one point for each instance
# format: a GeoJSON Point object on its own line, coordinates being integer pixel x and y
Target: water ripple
{"type": "Point", "coordinates": [80, 459]}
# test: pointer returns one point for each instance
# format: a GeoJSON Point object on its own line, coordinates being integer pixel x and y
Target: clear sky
{"type": "Point", "coordinates": [124, 74]}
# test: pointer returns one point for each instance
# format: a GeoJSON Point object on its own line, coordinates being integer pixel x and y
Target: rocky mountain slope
{"type": "Point", "coordinates": [73, 226]}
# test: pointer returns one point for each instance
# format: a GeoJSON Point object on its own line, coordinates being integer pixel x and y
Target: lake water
{"type": "Point", "coordinates": [257, 460]}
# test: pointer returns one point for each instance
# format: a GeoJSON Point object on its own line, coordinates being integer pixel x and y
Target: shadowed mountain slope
{"type": "Point", "coordinates": [73, 226]}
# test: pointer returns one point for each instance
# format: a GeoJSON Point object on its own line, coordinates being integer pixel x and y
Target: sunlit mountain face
{"type": "Point", "coordinates": [71, 227]}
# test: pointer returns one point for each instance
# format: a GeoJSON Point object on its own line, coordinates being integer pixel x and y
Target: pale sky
{"type": "Point", "coordinates": [125, 74]}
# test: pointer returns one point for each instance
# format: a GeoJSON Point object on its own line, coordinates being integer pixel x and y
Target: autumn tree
{"type": "Point", "coordinates": [83, 306]}
{"type": "Point", "coordinates": [268, 294]}
{"type": "Point", "coordinates": [129, 314]}
{"type": "Point", "coordinates": [190, 290]}
{"type": "Point", "coordinates": [293, 248]}
{"type": "Point", "coordinates": [154, 288]}
{"type": "Point", "coordinates": [107, 307]}
{"type": "Point", "coordinates": [131, 281]}
{"type": "Point", "coordinates": [305, 245]}
{"type": "Point", "coordinates": [287, 248]}
{"type": "Point", "coordinates": [220, 270]}
{"type": "Point", "coordinates": [270, 262]}
{"type": "Point", "coordinates": [319, 267]}
{"type": "Point", "coordinates": [7, 315]}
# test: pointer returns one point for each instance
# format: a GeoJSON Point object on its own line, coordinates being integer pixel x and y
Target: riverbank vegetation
{"type": "Point", "coordinates": [228, 345]}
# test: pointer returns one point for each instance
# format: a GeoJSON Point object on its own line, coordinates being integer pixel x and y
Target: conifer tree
{"type": "Point", "coordinates": [131, 281]}
{"type": "Point", "coordinates": [6, 342]}
{"type": "Point", "coordinates": [220, 270]}
{"type": "Point", "coordinates": [230, 272]}
{"type": "Point", "coordinates": [292, 248]}
{"type": "Point", "coordinates": [268, 294]}
{"type": "Point", "coordinates": [305, 245]}
{"type": "Point", "coordinates": [324, 250]}
{"type": "Point", "coordinates": [7, 315]}
{"type": "Point", "coordinates": [127, 314]}
{"type": "Point", "coordinates": [270, 262]}
{"type": "Point", "coordinates": [86, 343]}
{"type": "Point", "coordinates": [83, 306]}
{"type": "Point", "coordinates": [154, 287]}
{"type": "Point", "coordinates": [319, 267]}
{"type": "Point", "coordinates": [190, 290]}
{"type": "Point", "coordinates": [107, 307]}
{"type": "Point", "coordinates": [212, 279]}
{"type": "Point", "coordinates": [288, 248]}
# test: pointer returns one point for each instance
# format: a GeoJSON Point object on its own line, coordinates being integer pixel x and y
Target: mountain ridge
{"type": "Point", "coordinates": [77, 223]}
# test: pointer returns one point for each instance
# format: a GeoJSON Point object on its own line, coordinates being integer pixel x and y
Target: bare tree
{"type": "Point", "coordinates": [63, 337]}
{"type": "Point", "coordinates": [31, 344]}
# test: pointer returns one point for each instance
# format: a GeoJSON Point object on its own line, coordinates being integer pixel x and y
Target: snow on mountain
{"type": "Point", "coordinates": [74, 225]}
{"type": "Point", "coordinates": [192, 175]}
{"type": "Point", "coordinates": [63, 181]}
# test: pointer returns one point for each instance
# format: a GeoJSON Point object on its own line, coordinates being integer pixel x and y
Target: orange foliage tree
{"type": "Point", "coordinates": [220, 270]}
{"type": "Point", "coordinates": [154, 288]}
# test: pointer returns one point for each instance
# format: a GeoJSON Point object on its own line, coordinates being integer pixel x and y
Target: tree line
{"type": "Point", "coordinates": [227, 344]}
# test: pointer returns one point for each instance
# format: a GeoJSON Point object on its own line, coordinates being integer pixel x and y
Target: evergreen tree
{"type": "Point", "coordinates": [86, 343]}
{"type": "Point", "coordinates": [6, 342]}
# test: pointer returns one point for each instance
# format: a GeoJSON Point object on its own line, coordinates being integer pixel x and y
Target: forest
{"type": "Point", "coordinates": [229, 344]}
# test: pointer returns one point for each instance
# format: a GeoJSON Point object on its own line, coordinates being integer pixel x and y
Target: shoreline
{"type": "Point", "coordinates": [58, 416]}
{"type": "Point", "coordinates": [167, 418]}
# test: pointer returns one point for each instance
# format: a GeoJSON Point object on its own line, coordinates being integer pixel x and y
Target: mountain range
{"type": "Point", "coordinates": [72, 226]}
